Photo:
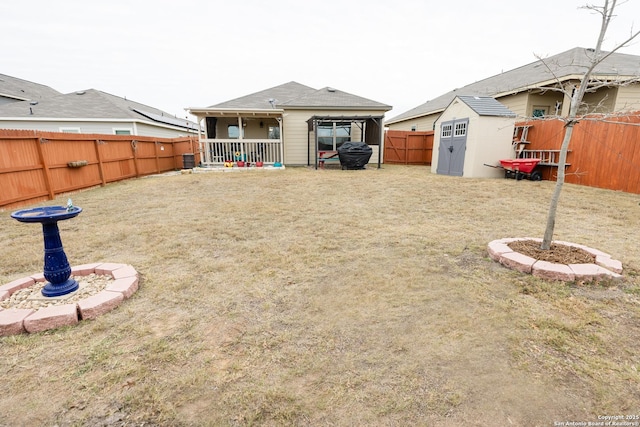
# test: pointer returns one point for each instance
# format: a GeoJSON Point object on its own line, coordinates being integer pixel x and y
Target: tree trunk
{"type": "Point", "coordinates": [553, 205]}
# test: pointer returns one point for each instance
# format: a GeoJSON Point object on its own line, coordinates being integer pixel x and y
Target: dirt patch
{"type": "Point", "coordinates": [559, 254]}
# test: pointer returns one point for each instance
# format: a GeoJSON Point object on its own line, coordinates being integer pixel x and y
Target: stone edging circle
{"type": "Point", "coordinates": [19, 320]}
{"type": "Point", "coordinates": [605, 267]}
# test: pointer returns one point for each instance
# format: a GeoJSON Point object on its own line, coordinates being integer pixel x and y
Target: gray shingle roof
{"type": "Point", "coordinates": [88, 104]}
{"type": "Point", "coordinates": [278, 94]}
{"type": "Point", "coordinates": [23, 90]}
{"type": "Point", "coordinates": [296, 95]}
{"type": "Point", "coordinates": [486, 106]}
{"type": "Point", "coordinates": [563, 65]}
{"type": "Point", "coordinates": [333, 98]}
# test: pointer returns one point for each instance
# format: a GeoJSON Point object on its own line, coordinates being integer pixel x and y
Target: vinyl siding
{"type": "Point", "coordinates": [628, 98]}
{"type": "Point", "coordinates": [601, 101]}
{"type": "Point", "coordinates": [149, 130]}
{"type": "Point", "coordinates": [422, 124]}
{"type": "Point", "coordinates": [518, 103]}
{"type": "Point", "coordinates": [105, 128]}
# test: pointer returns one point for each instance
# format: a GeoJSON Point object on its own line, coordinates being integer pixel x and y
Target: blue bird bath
{"type": "Point", "coordinates": [57, 270]}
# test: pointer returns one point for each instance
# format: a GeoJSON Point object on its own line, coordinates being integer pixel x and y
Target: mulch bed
{"type": "Point", "coordinates": [560, 254]}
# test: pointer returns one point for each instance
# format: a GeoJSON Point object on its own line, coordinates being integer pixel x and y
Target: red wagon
{"type": "Point", "coordinates": [521, 168]}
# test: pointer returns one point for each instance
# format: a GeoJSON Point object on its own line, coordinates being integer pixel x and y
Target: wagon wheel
{"type": "Point", "coordinates": [536, 176]}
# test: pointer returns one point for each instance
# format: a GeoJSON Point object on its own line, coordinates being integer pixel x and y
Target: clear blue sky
{"type": "Point", "coordinates": [195, 53]}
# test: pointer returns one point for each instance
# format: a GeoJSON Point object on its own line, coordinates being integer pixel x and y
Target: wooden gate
{"type": "Point", "coordinates": [407, 147]}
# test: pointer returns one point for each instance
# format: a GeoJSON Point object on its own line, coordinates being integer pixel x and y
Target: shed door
{"type": "Point", "coordinates": [452, 148]}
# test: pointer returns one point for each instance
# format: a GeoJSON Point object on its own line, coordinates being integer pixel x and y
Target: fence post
{"type": "Point", "coordinates": [406, 149]}
{"type": "Point", "coordinates": [134, 151]}
{"type": "Point", "coordinates": [45, 166]}
{"type": "Point", "coordinates": [157, 158]}
{"type": "Point", "coordinates": [175, 156]}
{"type": "Point", "coordinates": [100, 165]}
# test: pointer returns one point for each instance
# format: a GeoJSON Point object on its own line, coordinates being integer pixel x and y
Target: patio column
{"type": "Point", "coordinates": [205, 154]}
{"type": "Point", "coordinates": [280, 127]}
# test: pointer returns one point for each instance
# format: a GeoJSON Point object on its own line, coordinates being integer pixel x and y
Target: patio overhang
{"type": "Point", "coordinates": [236, 112]}
{"type": "Point", "coordinates": [218, 148]}
{"type": "Point", "coordinates": [371, 126]}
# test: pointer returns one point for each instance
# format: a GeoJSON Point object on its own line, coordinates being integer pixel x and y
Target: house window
{"type": "Point", "coordinates": [70, 130]}
{"type": "Point", "coordinates": [333, 135]}
{"type": "Point", "coordinates": [122, 131]}
{"type": "Point", "coordinates": [274, 132]}
{"type": "Point", "coordinates": [446, 131]}
{"type": "Point", "coordinates": [540, 111]}
{"type": "Point", "coordinates": [233, 131]}
{"type": "Point", "coordinates": [461, 129]}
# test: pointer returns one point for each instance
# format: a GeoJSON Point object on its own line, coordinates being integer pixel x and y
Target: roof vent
{"type": "Point", "coordinates": [80, 92]}
{"type": "Point", "coordinates": [330, 89]}
{"type": "Point", "coordinates": [33, 102]}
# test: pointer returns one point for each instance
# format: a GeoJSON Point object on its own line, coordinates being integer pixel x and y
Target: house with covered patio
{"type": "Point", "coordinates": [290, 124]}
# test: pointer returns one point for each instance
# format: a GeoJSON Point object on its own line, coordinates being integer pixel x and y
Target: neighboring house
{"type": "Point", "coordinates": [528, 90]}
{"type": "Point", "coordinates": [291, 124]}
{"type": "Point", "coordinates": [472, 132]}
{"type": "Point", "coordinates": [13, 89]}
{"type": "Point", "coordinates": [86, 111]}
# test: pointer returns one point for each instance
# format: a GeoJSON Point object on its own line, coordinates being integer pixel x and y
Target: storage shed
{"type": "Point", "coordinates": [471, 132]}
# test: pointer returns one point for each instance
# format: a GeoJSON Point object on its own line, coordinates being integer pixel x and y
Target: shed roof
{"type": "Point", "coordinates": [486, 106]}
{"type": "Point", "coordinates": [24, 90]}
{"type": "Point", "coordinates": [565, 65]}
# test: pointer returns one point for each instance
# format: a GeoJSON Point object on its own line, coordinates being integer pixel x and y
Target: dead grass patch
{"type": "Point", "coordinates": [330, 298]}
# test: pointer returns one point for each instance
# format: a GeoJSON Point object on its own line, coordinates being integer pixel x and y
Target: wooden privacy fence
{"type": "Point", "coordinates": [36, 166]}
{"type": "Point", "coordinates": [604, 152]}
{"type": "Point", "coordinates": [407, 147]}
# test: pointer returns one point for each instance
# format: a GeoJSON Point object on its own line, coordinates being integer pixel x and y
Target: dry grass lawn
{"type": "Point", "coordinates": [332, 297]}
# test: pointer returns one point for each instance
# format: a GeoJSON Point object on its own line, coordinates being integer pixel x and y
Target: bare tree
{"type": "Point", "coordinates": [576, 94]}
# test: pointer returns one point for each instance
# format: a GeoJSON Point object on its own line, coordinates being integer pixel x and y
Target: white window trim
{"type": "Point", "coordinates": [69, 129]}
{"type": "Point", "coordinates": [447, 131]}
{"type": "Point", "coordinates": [543, 108]}
{"type": "Point", "coordinates": [460, 129]}
{"type": "Point", "coordinates": [334, 132]}
{"type": "Point", "coordinates": [115, 130]}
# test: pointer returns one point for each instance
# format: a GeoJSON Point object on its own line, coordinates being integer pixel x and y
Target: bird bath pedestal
{"type": "Point", "coordinates": [57, 270]}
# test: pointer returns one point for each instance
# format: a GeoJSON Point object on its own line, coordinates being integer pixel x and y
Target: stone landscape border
{"type": "Point", "coordinates": [604, 267]}
{"type": "Point", "coordinates": [17, 320]}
